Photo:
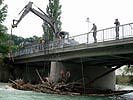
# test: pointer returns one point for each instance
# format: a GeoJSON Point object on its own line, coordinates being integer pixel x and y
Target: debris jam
{"type": "Point", "coordinates": [63, 88]}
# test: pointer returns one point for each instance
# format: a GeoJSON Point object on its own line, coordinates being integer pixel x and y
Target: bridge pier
{"type": "Point", "coordinates": [89, 73]}
{"type": "Point", "coordinates": [56, 68]}
{"type": "Point", "coordinates": [107, 81]}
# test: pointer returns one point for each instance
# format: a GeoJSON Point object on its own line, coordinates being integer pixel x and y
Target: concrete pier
{"type": "Point", "coordinates": [106, 82]}
{"type": "Point", "coordinates": [88, 73]}
{"type": "Point", "coordinates": [55, 70]}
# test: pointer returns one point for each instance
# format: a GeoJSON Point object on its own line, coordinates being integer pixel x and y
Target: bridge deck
{"type": "Point", "coordinates": [107, 51]}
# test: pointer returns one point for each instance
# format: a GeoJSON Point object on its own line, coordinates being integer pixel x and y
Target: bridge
{"type": "Point", "coordinates": [96, 62]}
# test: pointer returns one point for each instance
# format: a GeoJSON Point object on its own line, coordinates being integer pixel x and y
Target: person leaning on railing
{"type": "Point", "coordinates": [94, 29]}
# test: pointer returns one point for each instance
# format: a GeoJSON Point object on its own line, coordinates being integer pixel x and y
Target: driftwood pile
{"type": "Point", "coordinates": [64, 88]}
{"type": "Point", "coordinates": [46, 87]}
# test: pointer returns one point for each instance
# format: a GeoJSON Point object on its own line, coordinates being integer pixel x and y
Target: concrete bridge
{"type": "Point", "coordinates": [94, 63]}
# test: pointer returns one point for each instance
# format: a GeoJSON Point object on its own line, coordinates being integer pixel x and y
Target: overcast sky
{"type": "Point", "coordinates": [74, 13]}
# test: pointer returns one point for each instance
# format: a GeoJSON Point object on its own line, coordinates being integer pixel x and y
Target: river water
{"type": "Point", "coordinates": [10, 94]}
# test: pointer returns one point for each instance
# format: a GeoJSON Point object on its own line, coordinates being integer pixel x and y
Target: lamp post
{"type": "Point", "coordinates": [88, 21]}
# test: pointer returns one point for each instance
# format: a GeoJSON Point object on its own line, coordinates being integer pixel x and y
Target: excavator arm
{"type": "Point", "coordinates": [41, 14]}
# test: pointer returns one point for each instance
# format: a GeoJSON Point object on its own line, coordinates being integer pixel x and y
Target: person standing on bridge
{"type": "Point", "coordinates": [94, 28]}
{"type": "Point", "coordinates": [117, 23]}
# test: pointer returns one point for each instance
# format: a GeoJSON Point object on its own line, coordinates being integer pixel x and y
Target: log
{"type": "Point", "coordinates": [15, 83]}
{"type": "Point", "coordinates": [40, 76]}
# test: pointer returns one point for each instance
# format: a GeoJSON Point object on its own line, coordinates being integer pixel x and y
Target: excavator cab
{"type": "Point", "coordinates": [14, 23]}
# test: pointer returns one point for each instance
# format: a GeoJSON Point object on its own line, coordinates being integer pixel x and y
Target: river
{"type": "Point", "coordinates": [11, 94]}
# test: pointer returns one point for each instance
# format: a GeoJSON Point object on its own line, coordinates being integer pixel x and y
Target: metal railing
{"type": "Point", "coordinates": [108, 34]}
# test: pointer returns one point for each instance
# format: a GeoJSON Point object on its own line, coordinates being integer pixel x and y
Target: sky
{"type": "Point", "coordinates": [74, 15]}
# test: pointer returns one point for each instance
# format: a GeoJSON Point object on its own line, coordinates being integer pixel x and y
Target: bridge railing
{"type": "Point", "coordinates": [107, 34]}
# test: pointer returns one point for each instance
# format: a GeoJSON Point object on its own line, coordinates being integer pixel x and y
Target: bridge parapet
{"type": "Point", "coordinates": [108, 34]}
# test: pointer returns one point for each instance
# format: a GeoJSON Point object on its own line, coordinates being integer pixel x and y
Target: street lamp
{"type": "Point", "coordinates": [88, 21]}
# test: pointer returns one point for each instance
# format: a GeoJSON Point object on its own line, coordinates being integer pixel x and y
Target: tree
{"type": "Point", "coordinates": [128, 70]}
{"type": "Point", "coordinates": [54, 12]}
{"type": "Point", "coordinates": [3, 29]}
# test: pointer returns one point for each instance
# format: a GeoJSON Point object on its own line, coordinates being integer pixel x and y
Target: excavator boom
{"type": "Point", "coordinates": [43, 16]}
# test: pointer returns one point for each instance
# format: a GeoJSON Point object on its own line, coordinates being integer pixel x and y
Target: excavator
{"type": "Point", "coordinates": [41, 14]}
{"type": "Point", "coordinates": [57, 34]}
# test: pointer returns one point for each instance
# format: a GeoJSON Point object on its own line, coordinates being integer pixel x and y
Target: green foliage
{"type": "Point", "coordinates": [54, 12]}
{"type": "Point", "coordinates": [3, 48]}
{"type": "Point", "coordinates": [3, 11]}
{"type": "Point", "coordinates": [35, 39]}
{"type": "Point", "coordinates": [128, 70]}
{"type": "Point", "coordinates": [17, 41]}
{"type": "Point", "coordinates": [127, 75]}
{"type": "Point", "coordinates": [48, 32]}
{"type": "Point", "coordinates": [3, 14]}
{"type": "Point", "coordinates": [124, 80]}
{"type": "Point", "coordinates": [14, 41]}
{"type": "Point", "coordinates": [3, 29]}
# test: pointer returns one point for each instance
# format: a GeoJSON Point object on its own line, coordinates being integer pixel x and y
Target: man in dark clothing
{"type": "Point", "coordinates": [94, 28]}
{"type": "Point", "coordinates": [63, 34]}
{"type": "Point", "coordinates": [117, 23]}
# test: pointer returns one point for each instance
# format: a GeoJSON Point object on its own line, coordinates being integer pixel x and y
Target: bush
{"type": "Point", "coordinates": [124, 80]}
